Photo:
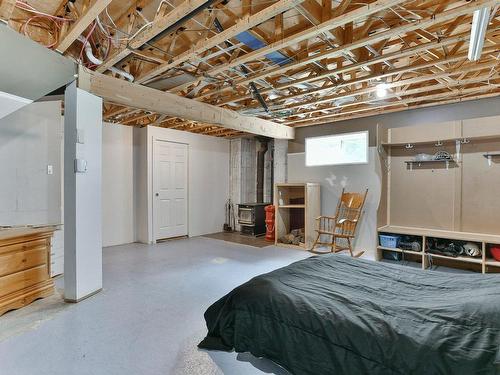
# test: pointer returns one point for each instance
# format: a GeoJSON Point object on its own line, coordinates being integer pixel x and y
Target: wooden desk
{"type": "Point", "coordinates": [24, 266]}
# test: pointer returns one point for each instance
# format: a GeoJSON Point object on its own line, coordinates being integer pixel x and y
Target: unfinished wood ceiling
{"type": "Point", "coordinates": [294, 62]}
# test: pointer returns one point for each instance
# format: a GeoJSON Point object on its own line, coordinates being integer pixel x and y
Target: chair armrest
{"type": "Point", "coordinates": [350, 220]}
{"type": "Point", "coordinates": [344, 235]}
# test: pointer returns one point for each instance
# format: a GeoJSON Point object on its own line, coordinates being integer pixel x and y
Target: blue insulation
{"type": "Point", "coordinates": [255, 43]}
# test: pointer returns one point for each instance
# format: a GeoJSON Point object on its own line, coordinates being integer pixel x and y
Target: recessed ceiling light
{"type": "Point", "coordinates": [382, 90]}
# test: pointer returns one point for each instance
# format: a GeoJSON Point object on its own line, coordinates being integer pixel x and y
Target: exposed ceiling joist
{"type": "Point", "coordinates": [6, 9]}
{"type": "Point", "coordinates": [127, 93]}
{"type": "Point", "coordinates": [475, 92]}
{"type": "Point", "coordinates": [204, 45]}
{"type": "Point", "coordinates": [433, 20]}
{"type": "Point", "coordinates": [159, 24]}
{"type": "Point", "coordinates": [305, 74]}
{"type": "Point", "coordinates": [310, 33]}
{"type": "Point", "coordinates": [81, 24]}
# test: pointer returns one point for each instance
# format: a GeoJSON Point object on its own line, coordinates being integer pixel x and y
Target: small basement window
{"type": "Point", "coordinates": [348, 148]}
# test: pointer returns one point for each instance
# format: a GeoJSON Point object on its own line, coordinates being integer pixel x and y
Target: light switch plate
{"type": "Point", "coordinates": [80, 166]}
{"type": "Point", "coordinates": [50, 169]}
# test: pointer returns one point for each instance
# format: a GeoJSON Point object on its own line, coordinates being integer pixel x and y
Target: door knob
{"type": "Point", "coordinates": [157, 194]}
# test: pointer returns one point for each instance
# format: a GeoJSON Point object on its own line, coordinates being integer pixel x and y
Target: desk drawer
{"type": "Point", "coordinates": [23, 279]}
{"type": "Point", "coordinates": [22, 260]}
{"type": "Point", "coordinates": [23, 246]}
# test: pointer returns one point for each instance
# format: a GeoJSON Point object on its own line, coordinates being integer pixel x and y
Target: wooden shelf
{"type": "Point", "coordinates": [492, 262]}
{"type": "Point", "coordinates": [399, 250]}
{"type": "Point", "coordinates": [446, 162]}
{"type": "Point", "coordinates": [429, 161]}
{"type": "Point", "coordinates": [459, 258]}
{"type": "Point", "coordinates": [442, 142]}
{"type": "Point", "coordinates": [300, 207]}
{"type": "Point", "coordinates": [439, 233]}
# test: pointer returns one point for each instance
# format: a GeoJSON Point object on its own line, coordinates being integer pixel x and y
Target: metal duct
{"type": "Point", "coordinates": [22, 81]}
{"type": "Point", "coordinates": [178, 23]}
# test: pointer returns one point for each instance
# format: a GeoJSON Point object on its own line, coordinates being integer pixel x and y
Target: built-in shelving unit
{"type": "Point", "coordinates": [456, 195]}
{"type": "Point", "coordinates": [297, 207]}
{"type": "Point", "coordinates": [485, 240]}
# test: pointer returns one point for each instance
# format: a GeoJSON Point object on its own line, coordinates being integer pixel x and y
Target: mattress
{"type": "Point", "coordinates": [332, 314]}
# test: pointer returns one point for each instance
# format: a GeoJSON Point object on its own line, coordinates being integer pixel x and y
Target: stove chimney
{"type": "Point", "coordinates": [260, 168]}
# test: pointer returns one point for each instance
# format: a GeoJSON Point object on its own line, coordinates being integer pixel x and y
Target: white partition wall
{"type": "Point", "coordinates": [355, 178]}
{"type": "Point", "coordinates": [82, 194]}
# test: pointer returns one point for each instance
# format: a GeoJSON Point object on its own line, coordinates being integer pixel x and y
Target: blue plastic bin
{"type": "Point", "coordinates": [389, 240]}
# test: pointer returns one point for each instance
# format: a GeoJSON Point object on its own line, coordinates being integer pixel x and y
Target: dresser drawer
{"type": "Point", "coordinates": [22, 260]}
{"type": "Point", "coordinates": [23, 279]}
{"type": "Point", "coordinates": [24, 246]}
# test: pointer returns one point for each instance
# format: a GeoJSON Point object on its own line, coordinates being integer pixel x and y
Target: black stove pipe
{"type": "Point", "coordinates": [260, 169]}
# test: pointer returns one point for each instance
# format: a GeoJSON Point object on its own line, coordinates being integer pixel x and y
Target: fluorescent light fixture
{"type": "Point", "coordinates": [480, 22]}
{"type": "Point", "coordinates": [382, 90]}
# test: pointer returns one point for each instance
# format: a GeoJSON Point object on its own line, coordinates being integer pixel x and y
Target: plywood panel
{"type": "Point", "coordinates": [485, 126]}
{"type": "Point", "coordinates": [425, 133]}
{"type": "Point", "coordinates": [424, 196]}
{"type": "Point", "coordinates": [480, 186]}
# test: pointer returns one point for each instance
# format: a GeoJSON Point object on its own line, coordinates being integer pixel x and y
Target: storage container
{"type": "Point", "coordinates": [387, 240]}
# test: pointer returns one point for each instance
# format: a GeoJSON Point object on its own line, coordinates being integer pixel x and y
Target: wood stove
{"type": "Point", "coordinates": [251, 217]}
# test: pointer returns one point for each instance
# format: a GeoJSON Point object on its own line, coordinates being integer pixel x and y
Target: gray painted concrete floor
{"type": "Point", "coordinates": [147, 320]}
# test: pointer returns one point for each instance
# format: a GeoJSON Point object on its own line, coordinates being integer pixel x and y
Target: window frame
{"type": "Point", "coordinates": [340, 135]}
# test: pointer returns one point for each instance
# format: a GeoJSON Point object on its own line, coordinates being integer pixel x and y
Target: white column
{"type": "Point", "coordinates": [82, 194]}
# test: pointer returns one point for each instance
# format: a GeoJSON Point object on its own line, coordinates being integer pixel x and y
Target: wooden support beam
{"type": "Point", "coordinates": [159, 24]}
{"type": "Point", "coordinates": [204, 45]}
{"type": "Point", "coordinates": [148, 99]}
{"type": "Point", "coordinates": [81, 24]}
{"type": "Point", "coordinates": [6, 9]}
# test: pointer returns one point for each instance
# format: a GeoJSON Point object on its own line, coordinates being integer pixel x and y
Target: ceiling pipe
{"type": "Point", "coordinates": [97, 61]}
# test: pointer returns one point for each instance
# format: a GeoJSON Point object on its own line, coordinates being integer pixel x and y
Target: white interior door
{"type": "Point", "coordinates": [170, 168]}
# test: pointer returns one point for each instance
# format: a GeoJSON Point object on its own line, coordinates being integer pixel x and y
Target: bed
{"type": "Point", "coordinates": [332, 314]}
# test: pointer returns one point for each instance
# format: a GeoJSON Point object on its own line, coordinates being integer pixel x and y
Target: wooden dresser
{"type": "Point", "coordinates": [24, 266]}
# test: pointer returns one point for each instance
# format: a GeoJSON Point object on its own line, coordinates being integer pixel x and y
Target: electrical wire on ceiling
{"type": "Point", "coordinates": [52, 23]}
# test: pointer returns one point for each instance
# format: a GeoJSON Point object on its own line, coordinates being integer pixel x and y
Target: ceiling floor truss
{"type": "Point", "coordinates": [310, 61]}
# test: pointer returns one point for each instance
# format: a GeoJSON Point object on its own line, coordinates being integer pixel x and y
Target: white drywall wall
{"type": "Point", "coordinates": [117, 185]}
{"type": "Point", "coordinates": [208, 172]}
{"type": "Point", "coordinates": [354, 178]}
{"type": "Point", "coordinates": [30, 140]}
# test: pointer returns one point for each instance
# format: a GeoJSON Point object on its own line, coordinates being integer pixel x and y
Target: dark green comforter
{"type": "Point", "coordinates": [332, 314]}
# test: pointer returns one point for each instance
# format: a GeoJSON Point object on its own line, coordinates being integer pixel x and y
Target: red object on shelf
{"type": "Point", "coordinates": [269, 223]}
{"type": "Point", "coordinates": [495, 252]}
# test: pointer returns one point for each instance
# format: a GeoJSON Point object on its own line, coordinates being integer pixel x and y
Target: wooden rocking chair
{"type": "Point", "coordinates": [341, 227]}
